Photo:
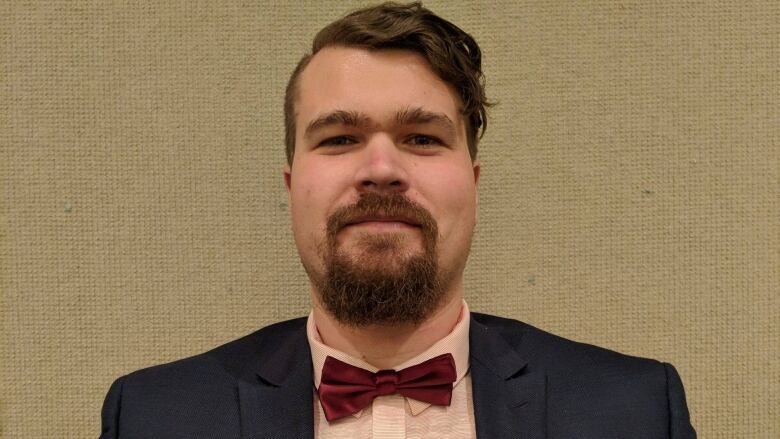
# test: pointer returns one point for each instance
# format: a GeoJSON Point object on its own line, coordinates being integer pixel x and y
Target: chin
{"type": "Point", "coordinates": [382, 248]}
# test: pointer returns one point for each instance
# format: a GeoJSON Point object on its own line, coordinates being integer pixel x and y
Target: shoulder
{"type": "Point", "coordinates": [223, 364]}
{"type": "Point", "coordinates": [195, 396]}
{"type": "Point", "coordinates": [590, 388]}
{"type": "Point", "coordinates": [579, 367]}
{"type": "Point", "coordinates": [551, 350]}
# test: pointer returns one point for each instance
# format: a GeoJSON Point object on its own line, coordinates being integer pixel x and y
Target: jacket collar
{"type": "Point", "coordinates": [275, 396]}
{"type": "Point", "coordinates": [509, 395]}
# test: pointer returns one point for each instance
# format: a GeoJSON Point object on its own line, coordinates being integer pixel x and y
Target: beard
{"type": "Point", "coordinates": [379, 281]}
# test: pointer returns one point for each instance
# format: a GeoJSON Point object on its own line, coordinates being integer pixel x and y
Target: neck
{"type": "Point", "coordinates": [385, 346]}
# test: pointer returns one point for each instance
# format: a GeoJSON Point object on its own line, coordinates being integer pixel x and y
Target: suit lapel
{"type": "Point", "coordinates": [276, 398]}
{"type": "Point", "coordinates": [509, 396]}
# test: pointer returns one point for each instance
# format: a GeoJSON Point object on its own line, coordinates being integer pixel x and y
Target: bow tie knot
{"type": "Point", "coordinates": [346, 389]}
{"type": "Point", "coordinates": [386, 382]}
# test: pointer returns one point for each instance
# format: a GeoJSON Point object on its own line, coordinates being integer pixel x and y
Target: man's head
{"type": "Point", "coordinates": [382, 125]}
{"type": "Point", "coordinates": [451, 53]}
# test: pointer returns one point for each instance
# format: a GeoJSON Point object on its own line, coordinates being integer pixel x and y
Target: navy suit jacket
{"type": "Point", "coordinates": [527, 384]}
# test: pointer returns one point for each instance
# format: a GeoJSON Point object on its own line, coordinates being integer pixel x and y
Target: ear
{"type": "Point", "coordinates": [287, 177]}
{"type": "Point", "coordinates": [476, 169]}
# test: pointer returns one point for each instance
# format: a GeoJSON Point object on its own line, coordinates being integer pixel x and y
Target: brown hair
{"type": "Point", "coordinates": [452, 53]}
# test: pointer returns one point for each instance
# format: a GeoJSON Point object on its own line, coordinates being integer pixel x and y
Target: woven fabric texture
{"type": "Point", "coordinates": [629, 191]}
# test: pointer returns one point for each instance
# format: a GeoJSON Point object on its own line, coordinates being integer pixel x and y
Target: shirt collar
{"type": "Point", "coordinates": [455, 343]}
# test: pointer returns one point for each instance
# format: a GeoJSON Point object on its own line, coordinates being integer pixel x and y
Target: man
{"type": "Point", "coordinates": [383, 120]}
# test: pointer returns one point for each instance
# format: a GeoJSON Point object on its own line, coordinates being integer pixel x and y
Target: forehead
{"type": "Point", "coordinates": [374, 82]}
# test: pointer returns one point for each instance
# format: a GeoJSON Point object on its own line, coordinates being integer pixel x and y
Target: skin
{"type": "Point", "coordinates": [427, 161]}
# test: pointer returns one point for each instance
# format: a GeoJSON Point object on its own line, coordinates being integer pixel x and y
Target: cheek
{"type": "Point", "coordinates": [460, 187]}
{"type": "Point", "coordinates": [314, 192]}
{"type": "Point", "coordinates": [461, 216]}
{"type": "Point", "coordinates": [302, 209]}
{"type": "Point", "coordinates": [453, 204]}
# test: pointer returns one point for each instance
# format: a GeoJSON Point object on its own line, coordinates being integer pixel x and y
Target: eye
{"type": "Point", "coordinates": [423, 140]}
{"type": "Point", "coordinates": [338, 141]}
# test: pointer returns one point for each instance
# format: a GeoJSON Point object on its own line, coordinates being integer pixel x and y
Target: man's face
{"type": "Point", "coordinates": [382, 187]}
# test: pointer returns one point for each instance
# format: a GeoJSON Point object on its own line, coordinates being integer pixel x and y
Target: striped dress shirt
{"type": "Point", "coordinates": [394, 416]}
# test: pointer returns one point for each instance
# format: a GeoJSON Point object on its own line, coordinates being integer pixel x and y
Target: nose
{"type": "Point", "coordinates": [382, 167]}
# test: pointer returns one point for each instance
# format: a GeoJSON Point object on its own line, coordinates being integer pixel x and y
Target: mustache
{"type": "Point", "coordinates": [377, 205]}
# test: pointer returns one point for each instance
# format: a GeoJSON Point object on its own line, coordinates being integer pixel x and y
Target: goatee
{"type": "Point", "coordinates": [380, 281]}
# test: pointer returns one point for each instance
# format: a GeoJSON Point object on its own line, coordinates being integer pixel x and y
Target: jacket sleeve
{"type": "Point", "coordinates": [110, 413]}
{"type": "Point", "coordinates": [679, 420]}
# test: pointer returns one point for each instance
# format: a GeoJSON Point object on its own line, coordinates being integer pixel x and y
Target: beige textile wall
{"type": "Point", "coordinates": [629, 192]}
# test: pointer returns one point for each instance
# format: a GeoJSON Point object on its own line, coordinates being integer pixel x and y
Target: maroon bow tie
{"type": "Point", "coordinates": [346, 389]}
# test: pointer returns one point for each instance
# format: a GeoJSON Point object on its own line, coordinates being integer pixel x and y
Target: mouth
{"type": "Point", "coordinates": [383, 222]}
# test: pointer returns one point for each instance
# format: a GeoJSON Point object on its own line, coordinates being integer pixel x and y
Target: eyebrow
{"type": "Point", "coordinates": [420, 116]}
{"type": "Point", "coordinates": [337, 117]}
{"type": "Point", "coordinates": [408, 116]}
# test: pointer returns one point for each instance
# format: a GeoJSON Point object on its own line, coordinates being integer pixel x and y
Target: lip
{"type": "Point", "coordinates": [382, 226]}
{"type": "Point", "coordinates": [380, 221]}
